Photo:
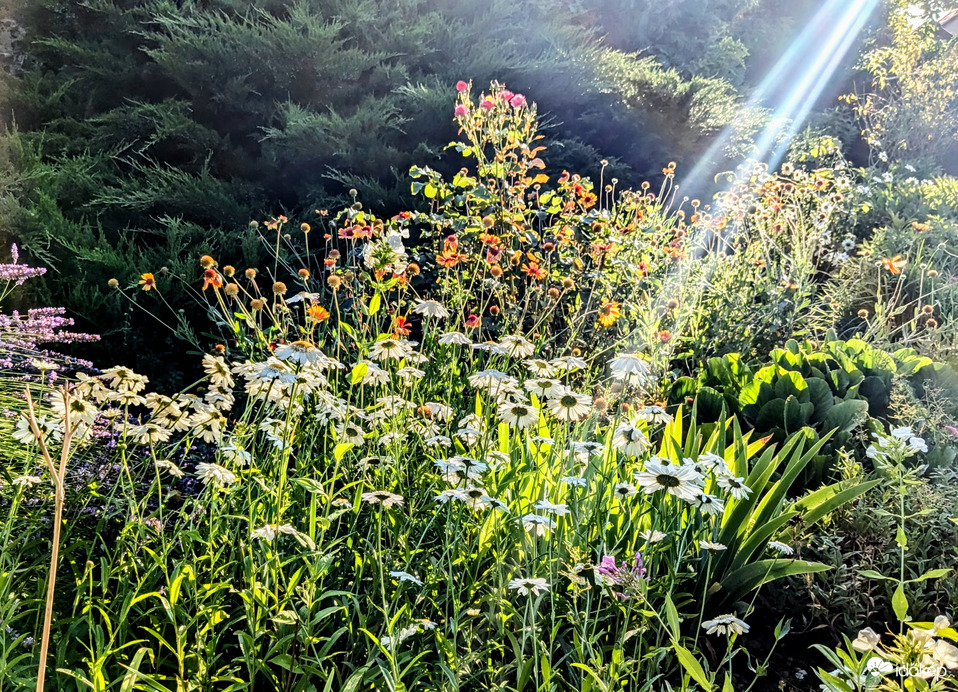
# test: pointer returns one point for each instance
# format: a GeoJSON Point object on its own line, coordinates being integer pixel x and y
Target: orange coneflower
{"type": "Point", "coordinates": [211, 277]}
{"type": "Point", "coordinates": [609, 313]}
{"type": "Point", "coordinates": [400, 326]}
{"type": "Point", "coordinates": [449, 259]}
{"type": "Point", "coordinates": [317, 313]}
{"type": "Point", "coordinates": [535, 271]}
{"type": "Point", "coordinates": [147, 281]}
{"type": "Point", "coordinates": [894, 264]}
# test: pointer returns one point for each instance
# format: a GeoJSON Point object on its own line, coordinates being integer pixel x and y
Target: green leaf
{"type": "Point", "coordinates": [339, 451]}
{"type": "Point", "coordinates": [430, 191]}
{"type": "Point", "coordinates": [901, 539]}
{"type": "Point", "coordinates": [899, 603]}
{"type": "Point", "coordinates": [285, 617]}
{"type": "Point", "coordinates": [846, 415]}
{"type": "Point", "coordinates": [872, 574]}
{"type": "Point", "coordinates": [359, 372]}
{"type": "Point", "coordinates": [671, 616]}
{"type": "Point", "coordinates": [932, 574]}
{"type": "Point", "coordinates": [692, 666]}
{"type": "Point", "coordinates": [374, 304]}
{"type": "Point", "coordinates": [748, 578]}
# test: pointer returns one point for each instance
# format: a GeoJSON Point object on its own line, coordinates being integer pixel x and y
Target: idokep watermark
{"type": "Point", "coordinates": [883, 667]}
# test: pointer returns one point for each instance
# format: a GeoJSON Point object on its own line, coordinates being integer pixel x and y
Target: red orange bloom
{"type": "Point", "coordinates": [211, 277]}
{"type": "Point", "coordinates": [317, 313]}
{"type": "Point", "coordinates": [147, 281]}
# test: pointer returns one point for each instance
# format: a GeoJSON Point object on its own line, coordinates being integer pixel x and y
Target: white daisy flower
{"type": "Point", "coordinates": [169, 467]}
{"type": "Point", "coordinates": [269, 532]}
{"type": "Point", "coordinates": [454, 339]}
{"type": "Point", "coordinates": [583, 450]}
{"type": "Point", "coordinates": [383, 497]}
{"type": "Point", "coordinates": [410, 375]}
{"type": "Point", "coordinates": [518, 415]}
{"type": "Point", "coordinates": [569, 363]}
{"type": "Point", "coordinates": [405, 576]}
{"type": "Point", "coordinates": [437, 441]}
{"type": "Point", "coordinates": [630, 368]}
{"type": "Point", "coordinates": [431, 308]}
{"type": "Point", "coordinates": [544, 387]}
{"type": "Point", "coordinates": [574, 481]}
{"type": "Point", "coordinates": [537, 524]}
{"type": "Point", "coordinates": [630, 440]}
{"type": "Point", "coordinates": [653, 414]}
{"type": "Point", "coordinates": [516, 346]}
{"type": "Point", "coordinates": [736, 486]}
{"type": "Point", "coordinates": [570, 406]}
{"type": "Point", "coordinates": [299, 352]}
{"type": "Point", "coordinates": [781, 548]}
{"type": "Point", "coordinates": [709, 504]}
{"type": "Point", "coordinates": [652, 536]}
{"type": "Point", "coordinates": [681, 481]}
{"type": "Point", "coordinates": [390, 349]}
{"type": "Point", "coordinates": [560, 510]}
{"type": "Point", "coordinates": [214, 474]}
{"type": "Point", "coordinates": [540, 368]}
{"type": "Point", "coordinates": [27, 481]}
{"type": "Point", "coordinates": [713, 547]}
{"type": "Point", "coordinates": [529, 585]}
{"type": "Point", "coordinates": [725, 624]}
{"type": "Point", "coordinates": [451, 494]}
{"type": "Point", "coordinates": [624, 490]}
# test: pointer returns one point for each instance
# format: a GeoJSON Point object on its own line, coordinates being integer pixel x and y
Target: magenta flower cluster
{"type": "Point", "coordinates": [626, 576]}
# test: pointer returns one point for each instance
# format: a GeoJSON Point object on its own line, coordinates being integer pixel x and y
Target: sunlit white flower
{"type": "Point", "coordinates": [410, 375]}
{"type": "Point", "coordinates": [582, 451]}
{"type": "Point", "coordinates": [431, 308]}
{"type": "Point", "coordinates": [123, 379]}
{"type": "Point", "coordinates": [373, 375]}
{"type": "Point", "coordinates": [516, 346]}
{"type": "Point", "coordinates": [540, 367]}
{"type": "Point", "coordinates": [712, 547]}
{"type": "Point", "coordinates": [27, 481]}
{"type": "Point", "coordinates": [80, 411]}
{"type": "Point", "coordinates": [489, 347]}
{"type": "Point", "coordinates": [394, 349]}
{"type": "Point", "coordinates": [681, 481]}
{"type": "Point", "coordinates": [269, 532]}
{"type": "Point", "coordinates": [452, 494]}
{"type": "Point", "coordinates": [945, 654]}
{"type": "Point", "coordinates": [708, 503]}
{"type": "Point", "coordinates": [383, 497]}
{"type": "Point", "coordinates": [541, 440]}
{"type": "Point", "coordinates": [630, 368]}
{"type": "Point", "coordinates": [560, 510]}
{"type": "Point", "coordinates": [529, 585]}
{"type": "Point", "coordinates": [469, 436]}
{"type": "Point", "coordinates": [494, 382]}
{"type": "Point", "coordinates": [151, 433]}
{"type": "Point", "coordinates": [299, 352]}
{"type": "Point", "coordinates": [725, 624]}
{"type": "Point", "coordinates": [454, 339]}
{"type": "Point", "coordinates": [169, 467]}
{"type": "Point", "coordinates": [630, 440]}
{"type": "Point", "coordinates": [438, 441]}
{"type": "Point", "coordinates": [781, 547]}
{"type": "Point", "coordinates": [736, 486]}
{"type": "Point", "coordinates": [544, 387]}
{"type": "Point", "coordinates": [867, 640]}
{"type": "Point", "coordinates": [569, 363]}
{"type": "Point", "coordinates": [653, 414]}
{"type": "Point", "coordinates": [623, 490]}
{"type": "Point", "coordinates": [405, 576]}
{"type": "Point", "coordinates": [574, 481]}
{"type": "Point", "coordinates": [652, 536]}
{"type": "Point", "coordinates": [518, 415]}
{"type": "Point", "coordinates": [537, 524]}
{"type": "Point", "coordinates": [24, 433]}
{"type": "Point", "coordinates": [713, 462]}
{"type": "Point", "coordinates": [214, 474]}
{"type": "Point", "coordinates": [570, 406]}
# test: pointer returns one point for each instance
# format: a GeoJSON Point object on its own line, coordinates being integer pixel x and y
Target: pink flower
{"type": "Point", "coordinates": [951, 430]}
{"type": "Point", "coordinates": [517, 101]}
{"type": "Point", "coordinates": [460, 111]}
{"type": "Point", "coordinates": [487, 104]}
{"type": "Point", "coordinates": [473, 321]}
{"type": "Point", "coordinates": [461, 86]}
{"type": "Point", "coordinates": [506, 95]}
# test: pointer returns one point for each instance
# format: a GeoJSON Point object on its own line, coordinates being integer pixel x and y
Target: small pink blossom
{"type": "Point", "coordinates": [517, 101]}
{"type": "Point", "coordinates": [487, 104]}
{"type": "Point", "coordinates": [461, 111]}
{"type": "Point", "coordinates": [461, 86]}
{"type": "Point", "coordinates": [506, 95]}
